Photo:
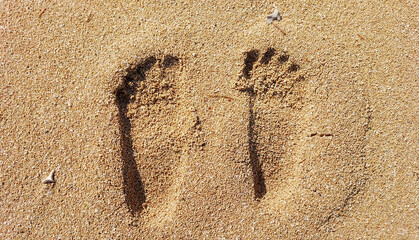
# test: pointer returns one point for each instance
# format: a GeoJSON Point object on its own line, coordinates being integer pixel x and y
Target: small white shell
{"type": "Point", "coordinates": [274, 16]}
{"type": "Point", "coordinates": [50, 178]}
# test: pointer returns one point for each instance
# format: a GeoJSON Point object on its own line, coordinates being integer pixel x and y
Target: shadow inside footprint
{"type": "Point", "coordinates": [133, 185]}
{"type": "Point", "coordinates": [258, 178]}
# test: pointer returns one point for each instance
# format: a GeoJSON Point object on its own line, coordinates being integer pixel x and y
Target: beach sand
{"type": "Point", "coordinates": [199, 120]}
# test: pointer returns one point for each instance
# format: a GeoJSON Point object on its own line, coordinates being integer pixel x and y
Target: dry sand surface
{"type": "Point", "coordinates": [199, 120]}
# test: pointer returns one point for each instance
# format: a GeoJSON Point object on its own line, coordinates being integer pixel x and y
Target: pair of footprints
{"type": "Point", "coordinates": [152, 141]}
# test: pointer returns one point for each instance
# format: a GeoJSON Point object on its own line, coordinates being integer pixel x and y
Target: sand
{"type": "Point", "coordinates": [199, 120]}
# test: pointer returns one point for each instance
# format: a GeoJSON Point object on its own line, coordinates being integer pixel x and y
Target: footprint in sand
{"type": "Point", "coordinates": [275, 92]}
{"type": "Point", "coordinates": [295, 167]}
{"type": "Point", "coordinates": [157, 130]}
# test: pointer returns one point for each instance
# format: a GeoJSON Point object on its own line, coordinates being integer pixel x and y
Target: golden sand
{"type": "Point", "coordinates": [199, 120]}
